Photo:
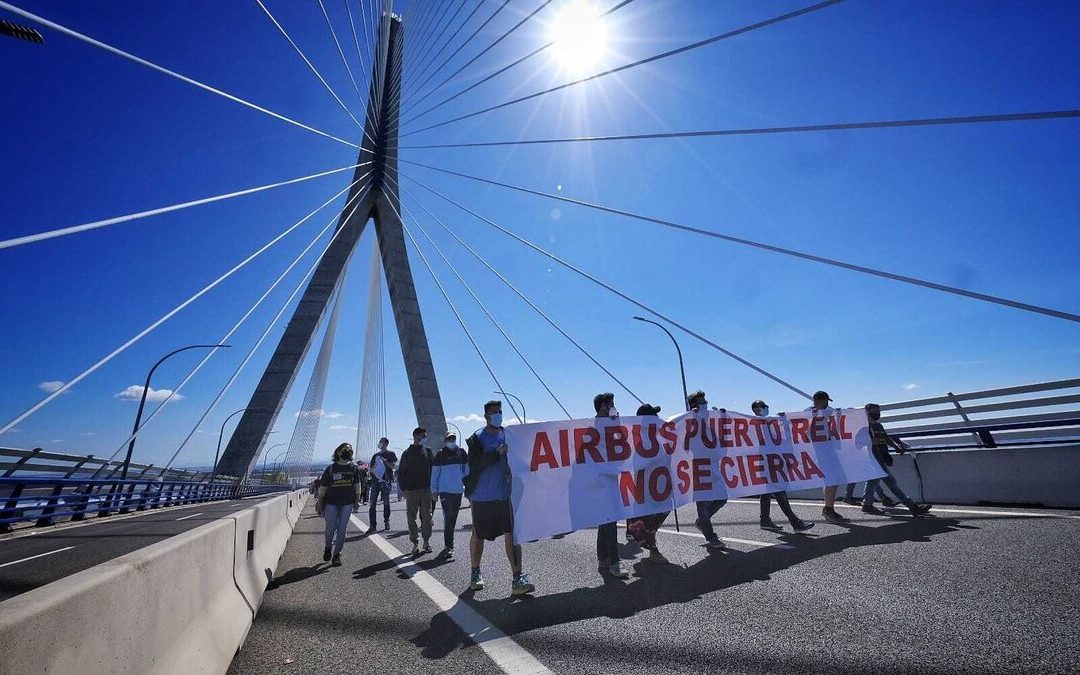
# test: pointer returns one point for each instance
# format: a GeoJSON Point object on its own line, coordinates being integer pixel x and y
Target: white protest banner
{"type": "Point", "coordinates": [575, 474]}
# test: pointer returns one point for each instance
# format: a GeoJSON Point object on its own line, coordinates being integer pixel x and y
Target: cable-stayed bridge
{"type": "Point", "coordinates": [414, 95]}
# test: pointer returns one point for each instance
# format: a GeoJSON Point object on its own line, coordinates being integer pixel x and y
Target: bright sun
{"type": "Point", "coordinates": [580, 36]}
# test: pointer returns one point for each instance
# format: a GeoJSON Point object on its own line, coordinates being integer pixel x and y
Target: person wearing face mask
{"type": "Point", "coordinates": [880, 442]}
{"type": "Point", "coordinates": [643, 530]}
{"type": "Point", "coordinates": [607, 535]}
{"type": "Point", "coordinates": [487, 486]}
{"type": "Point", "coordinates": [821, 407]}
{"type": "Point", "coordinates": [798, 524]}
{"type": "Point", "coordinates": [339, 496]}
{"type": "Point", "coordinates": [414, 479]}
{"type": "Point", "coordinates": [698, 403]}
{"type": "Point", "coordinates": [381, 470]}
{"type": "Point", "coordinates": [448, 472]}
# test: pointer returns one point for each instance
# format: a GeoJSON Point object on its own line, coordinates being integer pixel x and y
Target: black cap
{"type": "Point", "coordinates": [758, 404]}
{"type": "Point", "coordinates": [647, 409]}
{"type": "Point", "coordinates": [600, 398]}
{"type": "Point", "coordinates": [821, 394]}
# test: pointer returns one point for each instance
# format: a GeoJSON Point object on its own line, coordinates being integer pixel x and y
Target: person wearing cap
{"type": "Point", "coordinates": [828, 510]}
{"type": "Point", "coordinates": [698, 403]}
{"type": "Point", "coordinates": [880, 442]}
{"type": "Point", "coordinates": [607, 535]}
{"type": "Point", "coordinates": [761, 409]}
{"type": "Point", "coordinates": [643, 529]}
{"type": "Point", "coordinates": [448, 472]}
{"type": "Point", "coordinates": [414, 479]}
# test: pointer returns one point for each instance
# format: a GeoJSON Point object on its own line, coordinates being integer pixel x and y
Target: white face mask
{"type": "Point", "coordinates": [452, 445]}
{"type": "Point", "coordinates": [422, 440]}
{"type": "Point", "coordinates": [764, 412]}
{"type": "Point", "coordinates": [496, 419]}
{"type": "Point", "coordinates": [382, 446]}
{"type": "Point", "coordinates": [703, 406]}
{"type": "Point", "coordinates": [613, 412]}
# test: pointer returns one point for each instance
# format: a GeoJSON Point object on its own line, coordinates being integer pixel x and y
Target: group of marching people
{"type": "Point", "coordinates": [482, 474]}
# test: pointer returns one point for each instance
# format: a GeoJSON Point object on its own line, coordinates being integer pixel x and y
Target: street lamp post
{"type": "Point", "coordinates": [682, 374]}
{"type": "Point", "coordinates": [524, 417]}
{"type": "Point", "coordinates": [277, 468]}
{"type": "Point", "coordinates": [142, 401]}
{"type": "Point", "coordinates": [266, 455]}
{"type": "Point", "coordinates": [682, 371]}
{"type": "Point", "coordinates": [217, 453]}
{"type": "Point", "coordinates": [456, 428]}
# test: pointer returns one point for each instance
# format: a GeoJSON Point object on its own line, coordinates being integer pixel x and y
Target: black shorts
{"type": "Point", "coordinates": [491, 520]}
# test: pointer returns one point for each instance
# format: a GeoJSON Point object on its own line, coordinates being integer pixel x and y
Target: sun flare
{"type": "Point", "coordinates": [580, 36]}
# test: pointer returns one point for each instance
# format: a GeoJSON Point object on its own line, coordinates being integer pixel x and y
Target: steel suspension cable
{"type": "Point", "coordinates": [473, 60]}
{"type": "Point", "coordinates": [437, 34]}
{"type": "Point", "coordinates": [356, 38]}
{"type": "Point", "coordinates": [424, 62]}
{"type": "Point", "coordinates": [258, 343]}
{"type": "Point", "coordinates": [365, 415]}
{"type": "Point", "coordinates": [105, 222]}
{"type": "Point", "coordinates": [872, 271]}
{"type": "Point", "coordinates": [454, 309]}
{"type": "Point", "coordinates": [146, 331]}
{"type": "Point", "coordinates": [500, 71]}
{"type": "Point", "coordinates": [612, 289]}
{"type": "Point", "coordinates": [310, 65]}
{"type": "Point", "coordinates": [225, 338]}
{"type": "Point", "coordinates": [344, 61]}
{"type": "Point", "coordinates": [527, 301]}
{"type": "Point", "coordinates": [165, 71]}
{"type": "Point", "coordinates": [881, 124]}
{"type": "Point", "coordinates": [651, 59]}
{"type": "Point", "coordinates": [490, 316]}
{"type": "Point", "coordinates": [446, 44]}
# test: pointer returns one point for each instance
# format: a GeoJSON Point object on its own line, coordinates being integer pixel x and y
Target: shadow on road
{"type": "Point", "coordinates": [666, 584]}
{"type": "Point", "coordinates": [297, 574]}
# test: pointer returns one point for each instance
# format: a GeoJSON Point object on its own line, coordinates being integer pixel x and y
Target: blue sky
{"type": "Point", "coordinates": [992, 208]}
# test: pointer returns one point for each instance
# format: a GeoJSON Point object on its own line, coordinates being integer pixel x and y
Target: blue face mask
{"type": "Point", "coordinates": [496, 419]}
{"type": "Point", "coordinates": [765, 411]}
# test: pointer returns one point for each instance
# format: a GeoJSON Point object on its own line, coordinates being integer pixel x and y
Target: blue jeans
{"type": "Point", "coordinates": [871, 485]}
{"type": "Point", "coordinates": [451, 504]}
{"type": "Point", "coordinates": [337, 523]}
{"type": "Point", "coordinates": [705, 512]}
{"type": "Point", "coordinates": [379, 488]}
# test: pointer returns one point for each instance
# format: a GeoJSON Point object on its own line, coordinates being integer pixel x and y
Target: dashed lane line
{"type": "Point", "coordinates": [508, 655]}
{"type": "Point", "coordinates": [39, 555]}
{"type": "Point", "coordinates": [191, 516]}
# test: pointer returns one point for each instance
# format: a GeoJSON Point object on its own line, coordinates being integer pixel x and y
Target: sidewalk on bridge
{"type": "Point", "coordinates": [360, 616]}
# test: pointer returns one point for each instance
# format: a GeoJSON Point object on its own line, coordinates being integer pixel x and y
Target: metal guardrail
{"type": "Point", "coordinates": [44, 487]}
{"type": "Point", "coordinates": [1044, 420]}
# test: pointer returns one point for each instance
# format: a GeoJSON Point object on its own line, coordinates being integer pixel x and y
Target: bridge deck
{"type": "Point", "coordinates": [969, 590]}
{"type": "Point", "coordinates": [38, 556]}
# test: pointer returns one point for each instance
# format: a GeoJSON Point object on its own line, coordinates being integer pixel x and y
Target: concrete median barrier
{"type": "Point", "coordinates": [183, 605]}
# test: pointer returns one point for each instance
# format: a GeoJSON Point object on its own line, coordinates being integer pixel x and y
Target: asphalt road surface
{"type": "Point", "coordinates": [33, 558]}
{"type": "Point", "coordinates": [972, 589]}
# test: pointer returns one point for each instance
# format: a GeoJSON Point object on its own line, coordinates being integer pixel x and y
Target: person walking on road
{"type": "Point", "coordinates": [488, 490]}
{"type": "Point", "coordinates": [880, 442]}
{"type": "Point", "coordinates": [761, 409]}
{"type": "Point", "coordinates": [414, 480]}
{"type": "Point", "coordinates": [381, 469]}
{"type": "Point", "coordinates": [607, 535]}
{"type": "Point", "coordinates": [339, 496]}
{"type": "Point", "coordinates": [448, 473]}
{"type": "Point", "coordinates": [643, 529]}
{"type": "Point", "coordinates": [821, 407]}
{"type": "Point", "coordinates": [698, 403]}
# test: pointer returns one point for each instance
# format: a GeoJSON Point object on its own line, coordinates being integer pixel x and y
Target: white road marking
{"type": "Point", "coordinates": [748, 542]}
{"type": "Point", "coordinates": [508, 655]}
{"type": "Point", "coordinates": [39, 555]}
{"type": "Point", "coordinates": [941, 509]}
{"type": "Point", "coordinates": [191, 516]}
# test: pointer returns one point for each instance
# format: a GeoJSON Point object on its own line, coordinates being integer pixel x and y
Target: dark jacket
{"type": "Point", "coordinates": [389, 458]}
{"type": "Point", "coordinates": [478, 461]}
{"type": "Point", "coordinates": [414, 472]}
{"type": "Point", "coordinates": [879, 441]}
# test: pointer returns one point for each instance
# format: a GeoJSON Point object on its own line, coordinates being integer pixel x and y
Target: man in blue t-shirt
{"type": "Point", "coordinates": [488, 489]}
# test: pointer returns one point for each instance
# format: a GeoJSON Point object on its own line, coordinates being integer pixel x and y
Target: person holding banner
{"type": "Point", "coordinates": [821, 407]}
{"type": "Point", "coordinates": [761, 409]}
{"type": "Point", "coordinates": [698, 403]}
{"type": "Point", "coordinates": [382, 475]}
{"type": "Point", "coordinates": [880, 442]}
{"type": "Point", "coordinates": [488, 489]}
{"type": "Point", "coordinates": [643, 530]}
{"type": "Point", "coordinates": [607, 534]}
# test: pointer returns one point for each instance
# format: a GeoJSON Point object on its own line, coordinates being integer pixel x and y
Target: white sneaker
{"type": "Point", "coordinates": [616, 570]}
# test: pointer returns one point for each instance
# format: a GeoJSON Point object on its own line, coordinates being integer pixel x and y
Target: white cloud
{"type": "Point", "coordinates": [57, 440]}
{"type": "Point", "coordinates": [319, 412]}
{"type": "Point", "coordinates": [910, 387]}
{"type": "Point", "coordinates": [86, 433]}
{"type": "Point", "coordinates": [341, 427]}
{"type": "Point", "coordinates": [462, 419]}
{"type": "Point", "coordinates": [51, 386]}
{"type": "Point", "coordinates": [134, 392]}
